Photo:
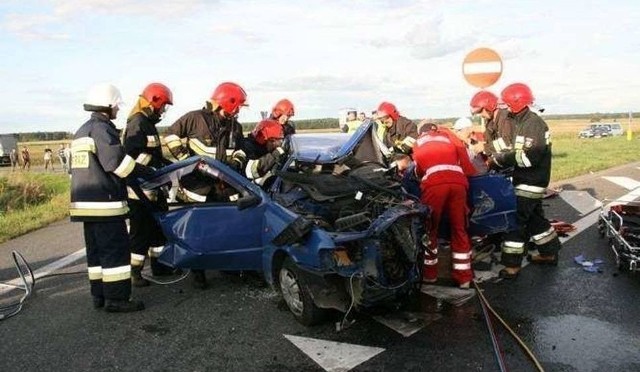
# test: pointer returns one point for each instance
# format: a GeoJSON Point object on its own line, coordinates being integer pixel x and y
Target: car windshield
{"type": "Point", "coordinates": [318, 147]}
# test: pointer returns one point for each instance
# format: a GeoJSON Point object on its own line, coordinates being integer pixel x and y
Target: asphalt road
{"type": "Point", "coordinates": [571, 319]}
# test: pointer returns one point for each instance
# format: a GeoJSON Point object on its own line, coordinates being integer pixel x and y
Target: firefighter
{"type": "Point", "coordinates": [263, 150]}
{"type": "Point", "coordinates": [141, 142]}
{"type": "Point", "coordinates": [394, 130]}
{"type": "Point", "coordinates": [531, 159]}
{"type": "Point", "coordinates": [99, 200]}
{"type": "Point", "coordinates": [212, 131]}
{"type": "Point", "coordinates": [498, 132]}
{"type": "Point", "coordinates": [282, 112]}
{"type": "Point", "coordinates": [442, 165]}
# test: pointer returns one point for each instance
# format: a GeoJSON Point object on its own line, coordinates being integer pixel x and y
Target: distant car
{"type": "Point", "coordinates": [335, 229]}
{"type": "Point", "coordinates": [615, 129]}
{"type": "Point", "coordinates": [595, 131]}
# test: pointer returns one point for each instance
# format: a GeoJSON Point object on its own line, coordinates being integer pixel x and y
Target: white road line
{"type": "Point", "coordinates": [626, 182]}
{"type": "Point", "coordinates": [45, 270]}
{"type": "Point", "coordinates": [581, 201]}
{"type": "Point", "coordinates": [334, 356]}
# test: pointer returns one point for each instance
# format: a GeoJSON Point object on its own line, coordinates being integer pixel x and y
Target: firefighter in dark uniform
{"type": "Point", "coordinates": [282, 112]}
{"type": "Point", "coordinates": [212, 131]}
{"type": "Point", "coordinates": [142, 143]}
{"type": "Point", "coordinates": [394, 130]}
{"type": "Point", "coordinates": [261, 151]}
{"type": "Point", "coordinates": [531, 159]}
{"type": "Point", "coordinates": [99, 199]}
{"type": "Point", "coordinates": [498, 134]}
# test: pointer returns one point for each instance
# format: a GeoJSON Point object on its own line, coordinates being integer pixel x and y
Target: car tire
{"type": "Point", "coordinates": [294, 291]}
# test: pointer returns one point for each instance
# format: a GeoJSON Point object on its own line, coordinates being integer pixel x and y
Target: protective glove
{"type": "Point", "coordinates": [406, 145]}
{"type": "Point", "coordinates": [238, 160]}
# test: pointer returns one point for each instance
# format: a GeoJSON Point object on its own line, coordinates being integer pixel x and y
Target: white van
{"type": "Point", "coordinates": [615, 129]}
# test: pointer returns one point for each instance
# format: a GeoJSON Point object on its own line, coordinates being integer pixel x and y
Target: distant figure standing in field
{"type": "Point", "coordinates": [67, 155]}
{"type": "Point", "coordinates": [48, 161]}
{"type": "Point", "coordinates": [62, 157]}
{"type": "Point", "coordinates": [352, 123]}
{"type": "Point", "coordinates": [26, 158]}
{"type": "Point", "coordinates": [362, 116]}
{"type": "Point", "coordinates": [13, 156]}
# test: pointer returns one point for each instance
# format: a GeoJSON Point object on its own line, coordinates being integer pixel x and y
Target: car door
{"type": "Point", "coordinates": [224, 234]}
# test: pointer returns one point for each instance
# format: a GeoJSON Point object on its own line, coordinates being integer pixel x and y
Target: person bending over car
{"type": "Point", "coordinates": [393, 129]}
{"type": "Point", "coordinates": [261, 151]}
{"type": "Point", "coordinates": [212, 131]}
{"type": "Point", "coordinates": [442, 165]}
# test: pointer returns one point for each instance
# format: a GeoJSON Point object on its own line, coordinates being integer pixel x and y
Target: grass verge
{"type": "Point", "coordinates": [31, 201]}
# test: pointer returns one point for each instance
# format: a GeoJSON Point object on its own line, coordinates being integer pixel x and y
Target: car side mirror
{"type": "Point", "coordinates": [248, 201]}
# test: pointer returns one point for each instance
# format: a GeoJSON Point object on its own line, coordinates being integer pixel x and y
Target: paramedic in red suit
{"type": "Point", "coordinates": [442, 165]}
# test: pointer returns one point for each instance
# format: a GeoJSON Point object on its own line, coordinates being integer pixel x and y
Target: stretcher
{"type": "Point", "coordinates": [620, 223]}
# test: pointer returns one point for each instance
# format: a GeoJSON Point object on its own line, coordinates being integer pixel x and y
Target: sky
{"type": "Point", "coordinates": [577, 56]}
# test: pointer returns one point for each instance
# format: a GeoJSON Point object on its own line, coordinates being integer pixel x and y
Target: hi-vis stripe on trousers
{"type": "Point", "coordinates": [108, 259]}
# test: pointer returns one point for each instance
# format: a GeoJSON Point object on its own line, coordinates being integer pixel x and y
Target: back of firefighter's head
{"type": "Point", "coordinates": [283, 110]}
{"type": "Point", "coordinates": [387, 114]}
{"type": "Point", "coordinates": [158, 96]}
{"type": "Point", "coordinates": [269, 133]}
{"type": "Point", "coordinates": [484, 103]}
{"type": "Point", "coordinates": [517, 97]}
{"type": "Point", "coordinates": [104, 98]}
{"type": "Point", "coordinates": [229, 97]}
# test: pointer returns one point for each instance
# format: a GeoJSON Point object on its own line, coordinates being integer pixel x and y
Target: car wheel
{"type": "Point", "coordinates": [296, 295]}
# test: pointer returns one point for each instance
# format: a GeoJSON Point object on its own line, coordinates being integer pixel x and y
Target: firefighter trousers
{"type": "Point", "coordinates": [532, 226]}
{"type": "Point", "coordinates": [146, 237]}
{"type": "Point", "coordinates": [108, 259]}
{"type": "Point", "coordinates": [450, 199]}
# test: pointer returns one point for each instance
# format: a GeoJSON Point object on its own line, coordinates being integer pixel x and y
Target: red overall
{"type": "Point", "coordinates": [442, 164]}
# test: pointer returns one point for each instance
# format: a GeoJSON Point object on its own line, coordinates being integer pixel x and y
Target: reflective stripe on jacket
{"type": "Point", "coordinates": [98, 168]}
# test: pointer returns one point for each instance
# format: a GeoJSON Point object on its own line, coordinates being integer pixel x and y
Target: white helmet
{"type": "Point", "coordinates": [462, 123]}
{"type": "Point", "coordinates": [103, 97]}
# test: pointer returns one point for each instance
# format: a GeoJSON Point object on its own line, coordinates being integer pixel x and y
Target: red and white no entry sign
{"type": "Point", "coordinates": [482, 67]}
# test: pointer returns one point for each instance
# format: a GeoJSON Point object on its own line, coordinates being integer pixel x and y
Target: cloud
{"type": "Point", "coordinates": [319, 83]}
{"type": "Point", "coordinates": [40, 25]}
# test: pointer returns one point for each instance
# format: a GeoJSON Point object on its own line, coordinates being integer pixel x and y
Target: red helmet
{"type": "Point", "coordinates": [267, 130]}
{"type": "Point", "coordinates": [388, 109]}
{"type": "Point", "coordinates": [517, 96]}
{"type": "Point", "coordinates": [283, 107]}
{"type": "Point", "coordinates": [158, 95]}
{"type": "Point", "coordinates": [229, 96]}
{"type": "Point", "coordinates": [483, 100]}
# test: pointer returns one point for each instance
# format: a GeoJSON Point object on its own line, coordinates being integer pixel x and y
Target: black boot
{"type": "Point", "coordinates": [199, 279]}
{"type": "Point", "coordinates": [136, 277]}
{"type": "Point", "coordinates": [123, 306]}
{"type": "Point", "coordinates": [98, 302]}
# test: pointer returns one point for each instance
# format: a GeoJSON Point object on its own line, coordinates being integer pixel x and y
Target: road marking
{"type": "Point", "coordinates": [45, 270]}
{"type": "Point", "coordinates": [334, 356]}
{"type": "Point", "coordinates": [626, 182]}
{"type": "Point", "coordinates": [581, 201]}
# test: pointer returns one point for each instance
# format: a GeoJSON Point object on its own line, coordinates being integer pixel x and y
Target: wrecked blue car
{"type": "Point", "coordinates": [334, 230]}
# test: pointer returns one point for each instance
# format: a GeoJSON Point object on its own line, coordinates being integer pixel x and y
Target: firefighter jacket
{"type": "Point", "coordinates": [206, 134]}
{"type": "Point", "coordinates": [99, 166]}
{"type": "Point", "coordinates": [499, 133]}
{"type": "Point", "coordinates": [141, 141]}
{"type": "Point", "coordinates": [256, 161]}
{"type": "Point", "coordinates": [441, 158]}
{"type": "Point", "coordinates": [530, 156]}
{"type": "Point", "coordinates": [398, 133]}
